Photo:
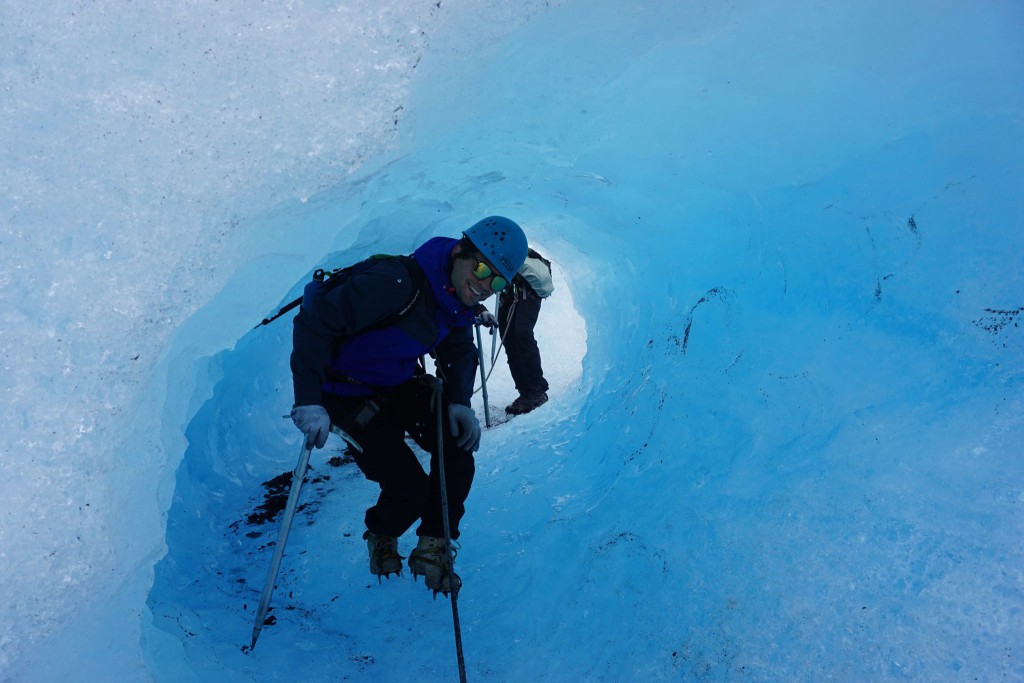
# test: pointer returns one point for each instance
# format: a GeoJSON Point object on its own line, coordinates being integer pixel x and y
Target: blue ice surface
{"type": "Point", "coordinates": [794, 233]}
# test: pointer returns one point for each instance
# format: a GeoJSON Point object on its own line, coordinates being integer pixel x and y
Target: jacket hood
{"type": "Point", "coordinates": [434, 256]}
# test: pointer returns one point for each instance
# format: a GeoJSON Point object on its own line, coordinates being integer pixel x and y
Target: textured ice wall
{"type": "Point", "coordinates": [793, 231]}
{"type": "Point", "coordinates": [138, 141]}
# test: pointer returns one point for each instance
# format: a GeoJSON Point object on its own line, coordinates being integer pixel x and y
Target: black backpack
{"type": "Point", "coordinates": [324, 281]}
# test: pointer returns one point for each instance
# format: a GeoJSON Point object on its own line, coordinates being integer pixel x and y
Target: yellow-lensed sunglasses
{"type": "Point", "coordinates": [483, 271]}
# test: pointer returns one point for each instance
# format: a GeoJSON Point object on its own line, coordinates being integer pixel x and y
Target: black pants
{"type": "Point", "coordinates": [516, 326]}
{"type": "Point", "coordinates": [407, 493]}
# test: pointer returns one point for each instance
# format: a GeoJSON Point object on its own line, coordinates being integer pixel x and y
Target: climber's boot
{"type": "Point", "coordinates": [428, 560]}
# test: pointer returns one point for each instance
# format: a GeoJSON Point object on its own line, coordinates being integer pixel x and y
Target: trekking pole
{"type": "Point", "coordinates": [494, 351]}
{"type": "Point", "coordinates": [483, 377]}
{"type": "Point", "coordinates": [501, 341]}
{"type": "Point", "coordinates": [447, 529]}
{"type": "Point", "coordinates": [286, 526]}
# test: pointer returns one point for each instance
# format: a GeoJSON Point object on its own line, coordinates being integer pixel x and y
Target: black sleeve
{"type": "Point", "coordinates": [457, 360]}
{"type": "Point", "coordinates": [360, 302]}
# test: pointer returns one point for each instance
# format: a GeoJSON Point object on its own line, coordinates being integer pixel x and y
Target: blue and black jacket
{"type": "Point", "coordinates": [340, 348]}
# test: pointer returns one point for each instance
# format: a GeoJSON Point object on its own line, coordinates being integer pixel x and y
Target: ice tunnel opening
{"type": "Point", "coordinates": [233, 478]}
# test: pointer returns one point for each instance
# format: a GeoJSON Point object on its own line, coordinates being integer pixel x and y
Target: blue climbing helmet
{"type": "Point", "coordinates": [502, 242]}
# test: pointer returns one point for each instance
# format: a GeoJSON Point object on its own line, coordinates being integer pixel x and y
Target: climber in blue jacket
{"type": "Point", "coordinates": [356, 364]}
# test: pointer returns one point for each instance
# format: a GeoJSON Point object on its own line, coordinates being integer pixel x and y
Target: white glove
{"type": "Point", "coordinates": [314, 422]}
{"type": "Point", "coordinates": [465, 426]}
{"type": "Point", "coordinates": [487, 319]}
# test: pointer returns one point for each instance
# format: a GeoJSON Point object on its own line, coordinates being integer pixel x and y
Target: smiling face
{"type": "Point", "coordinates": [470, 289]}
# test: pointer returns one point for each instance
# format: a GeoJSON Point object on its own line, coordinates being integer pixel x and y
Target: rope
{"type": "Point", "coordinates": [501, 344]}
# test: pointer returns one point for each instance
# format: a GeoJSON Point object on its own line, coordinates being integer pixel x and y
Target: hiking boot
{"type": "Point", "coordinates": [428, 560]}
{"type": "Point", "coordinates": [384, 557]}
{"type": "Point", "coordinates": [526, 402]}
